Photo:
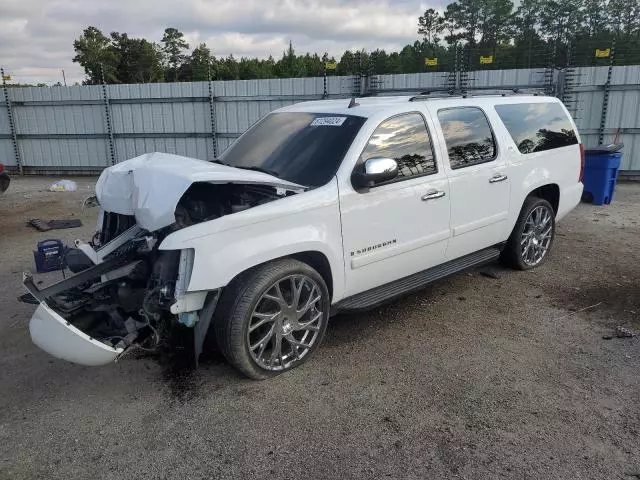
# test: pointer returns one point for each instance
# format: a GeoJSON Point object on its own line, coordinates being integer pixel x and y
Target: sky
{"type": "Point", "coordinates": [36, 36]}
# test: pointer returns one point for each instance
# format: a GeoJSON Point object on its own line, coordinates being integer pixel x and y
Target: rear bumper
{"type": "Point", "coordinates": [569, 199]}
{"type": "Point", "coordinates": [5, 180]}
{"type": "Point", "coordinates": [56, 336]}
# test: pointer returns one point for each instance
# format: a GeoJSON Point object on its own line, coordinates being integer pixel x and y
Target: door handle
{"type": "Point", "coordinates": [498, 178]}
{"type": "Point", "coordinates": [432, 195]}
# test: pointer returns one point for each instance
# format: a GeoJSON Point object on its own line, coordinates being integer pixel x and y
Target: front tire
{"type": "Point", "coordinates": [532, 237]}
{"type": "Point", "coordinates": [272, 318]}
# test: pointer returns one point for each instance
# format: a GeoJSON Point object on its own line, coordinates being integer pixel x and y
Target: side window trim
{"type": "Point", "coordinates": [493, 135]}
{"type": "Point", "coordinates": [402, 179]}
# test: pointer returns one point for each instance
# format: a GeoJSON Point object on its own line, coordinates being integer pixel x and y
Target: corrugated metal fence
{"type": "Point", "coordinates": [85, 128]}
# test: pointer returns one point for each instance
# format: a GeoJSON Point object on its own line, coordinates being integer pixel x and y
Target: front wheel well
{"type": "Point", "coordinates": [550, 193]}
{"type": "Point", "coordinates": [319, 262]}
{"type": "Point", "coordinates": [316, 260]}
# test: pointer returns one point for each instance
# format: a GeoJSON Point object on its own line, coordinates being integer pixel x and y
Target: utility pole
{"type": "Point", "coordinates": [64, 79]}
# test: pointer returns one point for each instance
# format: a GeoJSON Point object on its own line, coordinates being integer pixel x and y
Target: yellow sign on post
{"type": "Point", "coordinates": [331, 65]}
{"type": "Point", "coordinates": [6, 78]}
{"type": "Point", "coordinates": [487, 59]}
{"type": "Point", "coordinates": [605, 52]}
{"type": "Point", "coordinates": [431, 62]}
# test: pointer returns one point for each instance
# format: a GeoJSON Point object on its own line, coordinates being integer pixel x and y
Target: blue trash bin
{"type": "Point", "coordinates": [601, 174]}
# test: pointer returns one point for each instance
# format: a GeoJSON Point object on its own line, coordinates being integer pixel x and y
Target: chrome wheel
{"type": "Point", "coordinates": [285, 324]}
{"type": "Point", "coordinates": [536, 235]}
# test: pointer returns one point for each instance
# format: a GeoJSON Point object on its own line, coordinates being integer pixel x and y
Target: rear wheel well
{"type": "Point", "coordinates": [550, 192]}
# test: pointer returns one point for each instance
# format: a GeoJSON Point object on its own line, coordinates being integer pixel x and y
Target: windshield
{"type": "Point", "coordinates": [301, 147]}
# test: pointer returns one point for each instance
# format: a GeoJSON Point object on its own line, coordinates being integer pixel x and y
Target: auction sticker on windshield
{"type": "Point", "coordinates": [328, 121]}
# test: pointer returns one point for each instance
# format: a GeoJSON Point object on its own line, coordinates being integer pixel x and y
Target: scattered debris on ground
{"type": "Point", "coordinates": [489, 273]}
{"type": "Point", "coordinates": [63, 186]}
{"type": "Point", "coordinates": [46, 225]}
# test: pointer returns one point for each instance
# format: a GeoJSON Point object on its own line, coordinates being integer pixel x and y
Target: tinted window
{"type": "Point", "coordinates": [536, 127]}
{"type": "Point", "coordinates": [468, 136]}
{"type": "Point", "coordinates": [405, 139]}
{"type": "Point", "coordinates": [304, 148]}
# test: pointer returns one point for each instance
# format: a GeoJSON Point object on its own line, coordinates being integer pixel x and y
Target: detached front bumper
{"type": "Point", "coordinates": [56, 336]}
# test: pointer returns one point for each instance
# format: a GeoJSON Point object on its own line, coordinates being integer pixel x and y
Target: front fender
{"type": "Point", "coordinates": [226, 248]}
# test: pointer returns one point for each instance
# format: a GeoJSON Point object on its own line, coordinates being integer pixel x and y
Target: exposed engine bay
{"type": "Point", "coordinates": [124, 287]}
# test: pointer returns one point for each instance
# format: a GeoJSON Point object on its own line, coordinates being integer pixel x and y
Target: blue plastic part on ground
{"type": "Point", "coordinates": [600, 175]}
{"type": "Point", "coordinates": [49, 255]}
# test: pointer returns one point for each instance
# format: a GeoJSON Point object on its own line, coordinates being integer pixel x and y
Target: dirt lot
{"type": "Point", "coordinates": [476, 377]}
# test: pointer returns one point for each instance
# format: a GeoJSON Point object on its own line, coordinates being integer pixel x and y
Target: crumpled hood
{"type": "Point", "coordinates": [151, 185]}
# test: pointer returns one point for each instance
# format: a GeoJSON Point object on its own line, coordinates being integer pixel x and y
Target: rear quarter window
{"type": "Point", "coordinates": [536, 127]}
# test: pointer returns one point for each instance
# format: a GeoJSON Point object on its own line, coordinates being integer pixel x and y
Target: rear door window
{"type": "Point", "coordinates": [468, 136]}
{"type": "Point", "coordinates": [536, 127]}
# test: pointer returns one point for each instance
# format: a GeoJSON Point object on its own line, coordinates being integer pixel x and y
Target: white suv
{"type": "Point", "coordinates": [320, 207]}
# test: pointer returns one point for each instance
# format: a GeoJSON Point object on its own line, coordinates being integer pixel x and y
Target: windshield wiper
{"type": "Point", "coordinates": [218, 162]}
{"type": "Point", "coordinates": [262, 170]}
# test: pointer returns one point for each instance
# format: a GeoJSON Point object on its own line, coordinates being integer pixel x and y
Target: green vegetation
{"type": "Point", "coordinates": [492, 29]}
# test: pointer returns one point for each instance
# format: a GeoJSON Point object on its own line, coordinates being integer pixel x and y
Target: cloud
{"type": "Point", "coordinates": [36, 36]}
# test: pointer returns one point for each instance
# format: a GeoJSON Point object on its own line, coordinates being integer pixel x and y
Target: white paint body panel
{"type": "Point", "coordinates": [151, 185]}
{"type": "Point", "coordinates": [336, 220]}
{"type": "Point", "coordinates": [56, 336]}
{"type": "Point", "coordinates": [407, 235]}
{"type": "Point", "coordinates": [227, 246]}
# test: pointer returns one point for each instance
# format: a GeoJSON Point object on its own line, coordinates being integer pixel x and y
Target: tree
{"type": "Point", "coordinates": [518, 39]}
{"type": "Point", "coordinates": [525, 31]}
{"type": "Point", "coordinates": [596, 17]}
{"type": "Point", "coordinates": [288, 65]}
{"type": "Point", "coordinates": [198, 66]}
{"type": "Point", "coordinates": [463, 16]}
{"type": "Point", "coordinates": [95, 53]}
{"type": "Point", "coordinates": [173, 48]}
{"type": "Point", "coordinates": [625, 18]}
{"type": "Point", "coordinates": [526, 21]}
{"type": "Point", "coordinates": [561, 19]}
{"type": "Point", "coordinates": [346, 65]}
{"type": "Point", "coordinates": [140, 61]}
{"type": "Point", "coordinates": [430, 25]}
{"type": "Point", "coordinates": [495, 22]}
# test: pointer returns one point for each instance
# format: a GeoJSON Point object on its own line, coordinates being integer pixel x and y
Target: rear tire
{"type": "Point", "coordinates": [272, 318]}
{"type": "Point", "coordinates": [532, 237]}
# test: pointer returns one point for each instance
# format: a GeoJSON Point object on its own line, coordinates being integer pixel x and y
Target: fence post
{"type": "Point", "coordinates": [107, 116]}
{"type": "Point", "coordinates": [12, 124]}
{"type": "Point", "coordinates": [463, 72]}
{"type": "Point", "coordinates": [550, 73]}
{"type": "Point", "coordinates": [605, 98]}
{"type": "Point", "coordinates": [324, 81]}
{"type": "Point", "coordinates": [212, 109]}
{"type": "Point", "coordinates": [451, 80]}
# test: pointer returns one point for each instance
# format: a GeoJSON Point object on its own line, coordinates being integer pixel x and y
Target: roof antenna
{"type": "Point", "coordinates": [353, 103]}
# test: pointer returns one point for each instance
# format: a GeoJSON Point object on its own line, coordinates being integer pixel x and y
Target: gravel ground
{"type": "Point", "coordinates": [475, 377]}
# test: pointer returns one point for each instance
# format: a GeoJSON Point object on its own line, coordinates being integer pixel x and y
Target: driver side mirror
{"type": "Point", "coordinates": [373, 171]}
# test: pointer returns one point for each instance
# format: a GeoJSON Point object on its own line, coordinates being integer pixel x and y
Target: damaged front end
{"type": "Point", "coordinates": [124, 300]}
{"type": "Point", "coordinates": [126, 292]}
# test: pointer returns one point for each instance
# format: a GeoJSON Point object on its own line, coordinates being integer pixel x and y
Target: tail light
{"type": "Point", "coordinates": [1, 168]}
{"type": "Point", "coordinates": [581, 163]}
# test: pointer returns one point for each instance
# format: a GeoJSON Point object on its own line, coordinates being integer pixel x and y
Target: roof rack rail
{"type": "Point", "coordinates": [425, 95]}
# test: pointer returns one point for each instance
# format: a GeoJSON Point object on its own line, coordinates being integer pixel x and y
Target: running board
{"type": "Point", "coordinates": [389, 291]}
